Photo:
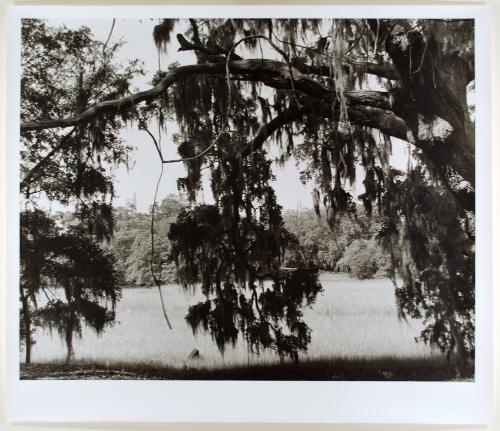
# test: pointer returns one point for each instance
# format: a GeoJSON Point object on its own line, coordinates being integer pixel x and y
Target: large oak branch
{"type": "Point", "coordinates": [269, 72]}
{"type": "Point", "coordinates": [368, 116]}
{"type": "Point", "coordinates": [383, 70]}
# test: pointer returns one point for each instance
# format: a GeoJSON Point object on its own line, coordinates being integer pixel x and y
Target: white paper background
{"type": "Point", "coordinates": [359, 402]}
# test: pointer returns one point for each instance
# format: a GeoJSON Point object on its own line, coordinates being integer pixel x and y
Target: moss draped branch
{"type": "Point", "coordinates": [367, 108]}
{"type": "Point", "coordinates": [275, 74]}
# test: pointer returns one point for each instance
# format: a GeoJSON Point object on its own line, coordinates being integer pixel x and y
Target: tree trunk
{"type": "Point", "coordinates": [27, 326]}
{"type": "Point", "coordinates": [462, 360]}
{"type": "Point", "coordinates": [432, 86]}
{"type": "Point", "coordinates": [70, 326]}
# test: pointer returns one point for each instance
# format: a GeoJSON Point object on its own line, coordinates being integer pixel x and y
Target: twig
{"type": "Point", "coordinates": [109, 37]}
{"type": "Point", "coordinates": [143, 125]}
{"type": "Point", "coordinates": [151, 262]}
{"type": "Point", "coordinates": [375, 46]}
{"type": "Point", "coordinates": [421, 60]}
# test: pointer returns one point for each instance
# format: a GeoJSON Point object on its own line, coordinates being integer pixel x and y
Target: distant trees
{"type": "Point", "coordinates": [351, 246]}
{"type": "Point", "coordinates": [316, 246]}
{"type": "Point", "coordinates": [365, 258]}
{"type": "Point", "coordinates": [131, 243]}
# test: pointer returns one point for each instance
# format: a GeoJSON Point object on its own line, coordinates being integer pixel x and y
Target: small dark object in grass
{"type": "Point", "coordinates": [195, 354]}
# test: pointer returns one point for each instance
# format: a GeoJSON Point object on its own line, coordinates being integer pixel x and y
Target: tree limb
{"type": "Point", "coordinates": [265, 131]}
{"type": "Point", "coordinates": [196, 33]}
{"type": "Point", "coordinates": [384, 70]}
{"type": "Point", "coordinates": [368, 116]}
{"type": "Point", "coordinates": [272, 73]}
{"type": "Point", "coordinates": [366, 108]}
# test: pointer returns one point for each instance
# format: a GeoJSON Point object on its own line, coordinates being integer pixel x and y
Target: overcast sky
{"type": "Point", "coordinates": [141, 178]}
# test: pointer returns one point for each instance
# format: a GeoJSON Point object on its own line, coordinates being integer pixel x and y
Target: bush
{"type": "Point", "coordinates": [365, 258]}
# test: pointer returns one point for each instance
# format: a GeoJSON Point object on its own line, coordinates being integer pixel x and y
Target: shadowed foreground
{"type": "Point", "coordinates": [390, 369]}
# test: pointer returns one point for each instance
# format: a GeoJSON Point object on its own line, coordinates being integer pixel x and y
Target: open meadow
{"type": "Point", "coordinates": [352, 321]}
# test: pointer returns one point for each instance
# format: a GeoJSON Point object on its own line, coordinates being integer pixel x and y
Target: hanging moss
{"type": "Point", "coordinates": [162, 33]}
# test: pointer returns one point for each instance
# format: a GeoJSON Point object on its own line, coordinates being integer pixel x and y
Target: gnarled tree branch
{"type": "Point", "coordinates": [383, 70]}
{"type": "Point", "coordinates": [272, 73]}
{"type": "Point", "coordinates": [368, 116]}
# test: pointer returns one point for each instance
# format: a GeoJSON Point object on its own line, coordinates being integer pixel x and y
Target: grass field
{"type": "Point", "coordinates": [353, 322]}
{"type": "Point", "coordinates": [350, 369]}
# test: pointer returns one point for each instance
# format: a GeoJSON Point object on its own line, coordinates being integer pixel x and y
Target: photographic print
{"type": "Point", "coordinates": [220, 204]}
{"type": "Point", "coordinates": [247, 199]}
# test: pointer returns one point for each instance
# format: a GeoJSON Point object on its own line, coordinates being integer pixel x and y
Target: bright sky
{"type": "Point", "coordinates": [141, 178]}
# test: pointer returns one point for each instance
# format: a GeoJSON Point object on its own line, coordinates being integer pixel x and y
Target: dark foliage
{"type": "Point", "coordinates": [239, 299]}
{"type": "Point", "coordinates": [67, 278]}
{"type": "Point", "coordinates": [73, 273]}
{"type": "Point", "coordinates": [439, 261]}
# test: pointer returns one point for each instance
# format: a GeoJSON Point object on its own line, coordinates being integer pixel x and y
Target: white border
{"type": "Point", "coordinates": [230, 401]}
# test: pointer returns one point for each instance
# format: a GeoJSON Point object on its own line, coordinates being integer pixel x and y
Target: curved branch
{"type": "Point", "coordinates": [123, 102]}
{"type": "Point", "coordinates": [109, 36]}
{"type": "Point", "coordinates": [383, 70]}
{"type": "Point", "coordinates": [368, 116]}
{"type": "Point", "coordinates": [151, 262]}
{"type": "Point", "coordinates": [269, 72]}
{"type": "Point", "coordinates": [367, 108]}
{"type": "Point", "coordinates": [265, 131]}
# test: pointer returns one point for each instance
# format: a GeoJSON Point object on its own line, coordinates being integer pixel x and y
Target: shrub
{"type": "Point", "coordinates": [365, 258]}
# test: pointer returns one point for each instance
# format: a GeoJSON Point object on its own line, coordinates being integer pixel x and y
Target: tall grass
{"type": "Point", "coordinates": [351, 320]}
{"type": "Point", "coordinates": [350, 369]}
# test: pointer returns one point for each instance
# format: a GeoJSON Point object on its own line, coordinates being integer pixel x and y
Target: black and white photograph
{"type": "Point", "coordinates": [247, 199]}
{"type": "Point", "coordinates": [250, 197]}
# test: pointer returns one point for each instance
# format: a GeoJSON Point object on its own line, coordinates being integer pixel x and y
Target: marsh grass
{"type": "Point", "coordinates": [356, 334]}
{"type": "Point", "coordinates": [340, 369]}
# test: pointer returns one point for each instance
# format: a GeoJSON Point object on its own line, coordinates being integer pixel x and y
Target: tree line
{"type": "Point", "coordinates": [352, 247]}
